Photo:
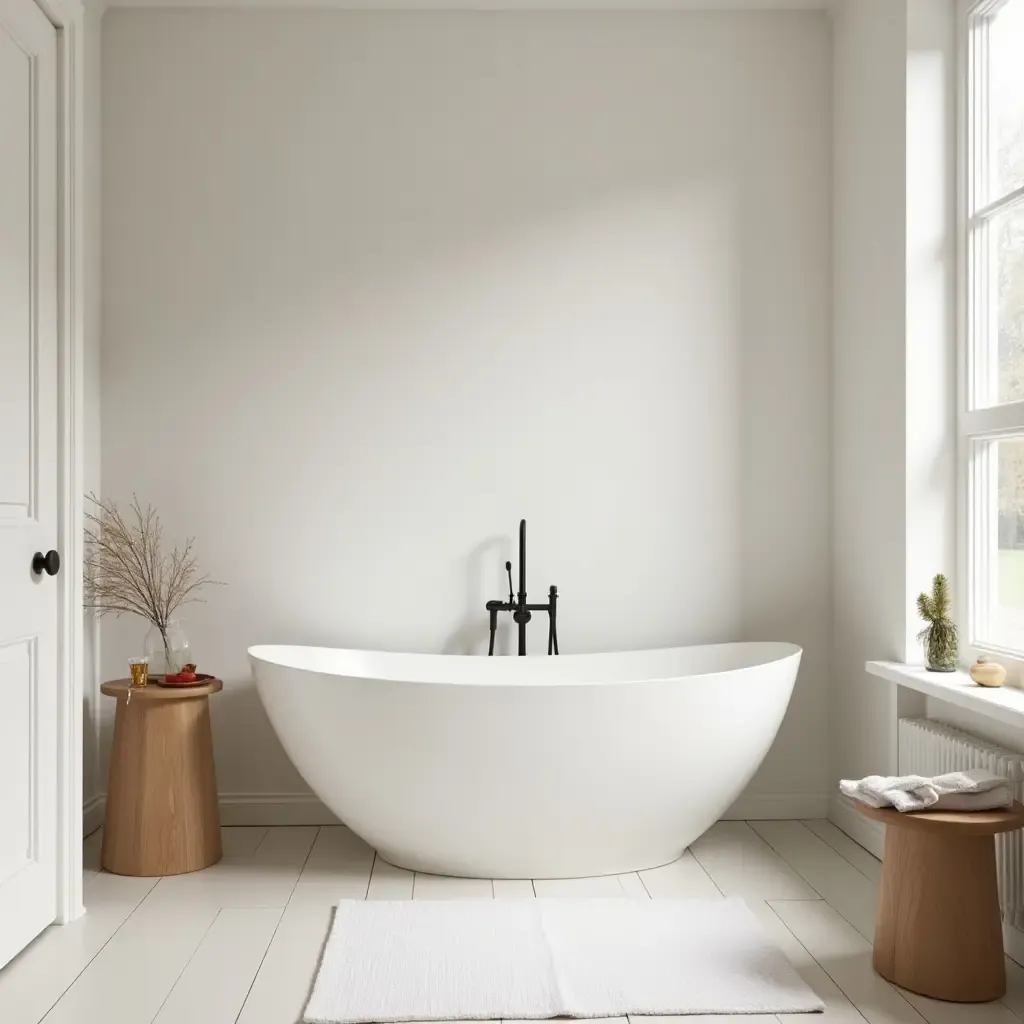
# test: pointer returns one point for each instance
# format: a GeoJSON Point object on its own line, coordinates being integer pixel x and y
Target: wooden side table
{"type": "Point", "coordinates": [938, 930]}
{"type": "Point", "coordinates": [162, 816]}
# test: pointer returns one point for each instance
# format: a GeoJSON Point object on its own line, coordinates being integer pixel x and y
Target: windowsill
{"type": "Point", "coordinates": [1004, 703]}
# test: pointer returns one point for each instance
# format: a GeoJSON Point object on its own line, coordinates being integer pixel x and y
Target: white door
{"type": "Point", "coordinates": [28, 473]}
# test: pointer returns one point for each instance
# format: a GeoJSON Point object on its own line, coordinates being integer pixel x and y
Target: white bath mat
{"type": "Point", "coordinates": [523, 959]}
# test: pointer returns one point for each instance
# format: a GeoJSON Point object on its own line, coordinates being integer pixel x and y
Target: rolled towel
{"type": "Point", "coordinates": [973, 790]}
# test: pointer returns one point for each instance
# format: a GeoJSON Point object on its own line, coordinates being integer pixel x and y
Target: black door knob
{"type": "Point", "coordinates": [48, 563]}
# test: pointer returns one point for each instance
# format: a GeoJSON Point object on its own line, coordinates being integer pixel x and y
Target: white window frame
{"type": "Point", "coordinates": [976, 208]}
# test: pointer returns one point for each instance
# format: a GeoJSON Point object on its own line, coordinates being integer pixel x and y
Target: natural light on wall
{"type": "Point", "coordinates": [993, 420]}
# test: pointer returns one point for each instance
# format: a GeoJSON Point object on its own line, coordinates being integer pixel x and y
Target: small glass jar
{"type": "Point", "coordinates": [168, 650]}
{"type": "Point", "coordinates": [139, 668]}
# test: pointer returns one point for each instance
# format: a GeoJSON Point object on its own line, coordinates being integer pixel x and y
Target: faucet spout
{"type": "Point", "coordinates": [522, 560]}
{"type": "Point", "coordinates": [522, 614]}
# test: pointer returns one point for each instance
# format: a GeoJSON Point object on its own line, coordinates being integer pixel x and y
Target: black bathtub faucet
{"type": "Point", "coordinates": [517, 605]}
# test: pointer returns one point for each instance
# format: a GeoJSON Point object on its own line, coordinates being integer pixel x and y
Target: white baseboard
{"type": "Point", "coordinates": [241, 809]}
{"type": "Point", "coordinates": [1013, 943]}
{"type": "Point", "coordinates": [777, 806]}
{"type": "Point", "coordinates": [92, 814]}
{"type": "Point", "coordinates": [274, 809]}
{"type": "Point", "coordinates": [306, 809]}
{"type": "Point", "coordinates": [869, 834]}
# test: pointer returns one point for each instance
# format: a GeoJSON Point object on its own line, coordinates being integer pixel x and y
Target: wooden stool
{"type": "Point", "coordinates": [162, 816]}
{"type": "Point", "coordinates": [938, 930]}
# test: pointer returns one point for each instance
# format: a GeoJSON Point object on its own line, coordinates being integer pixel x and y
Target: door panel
{"type": "Point", "coordinates": [16, 340]}
{"type": "Point", "coordinates": [28, 473]}
{"type": "Point", "coordinates": [17, 682]}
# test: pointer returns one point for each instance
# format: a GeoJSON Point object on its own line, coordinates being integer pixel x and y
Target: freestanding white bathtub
{"type": "Point", "coordinates": [531, 767]}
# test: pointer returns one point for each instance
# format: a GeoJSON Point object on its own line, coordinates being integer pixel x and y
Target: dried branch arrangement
{"type": "Point", "coordinates": [127, 570]}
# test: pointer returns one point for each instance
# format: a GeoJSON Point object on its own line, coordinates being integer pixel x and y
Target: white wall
{"type": "Point", "coordinates": [869, 377]}
{"type": "Point", "coordinates": [931, 253]}
{"type": "Point", "coordinates": [893, 364]}
{"type": "Point", "coordinates": [377, 285]}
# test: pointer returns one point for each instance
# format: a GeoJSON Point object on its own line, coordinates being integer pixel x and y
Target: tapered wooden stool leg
{"type": "Point", "coordinates": [939, 931]}
{"type": "Point", "coordinates": [162, 816]}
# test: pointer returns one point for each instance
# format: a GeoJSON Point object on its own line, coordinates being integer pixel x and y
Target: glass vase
{"type": "Point", "coordinates": [168, 649]}
{"type": "Point", "coordinates": [941, 648]}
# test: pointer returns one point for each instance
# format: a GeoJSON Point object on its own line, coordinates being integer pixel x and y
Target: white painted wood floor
{"type": "Point", "coordinates": [239, 942]}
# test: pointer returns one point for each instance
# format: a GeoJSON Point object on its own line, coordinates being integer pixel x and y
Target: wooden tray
{"type": "Point", "coordinates": [201, 678]}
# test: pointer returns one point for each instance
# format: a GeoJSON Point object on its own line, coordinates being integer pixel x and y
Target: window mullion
{"type": "Point", "coordinates": [982, 500]}
{"type": "Point", "coordinates": [999, 205]}
{"type": "Point", "coordinates": [994, 421]}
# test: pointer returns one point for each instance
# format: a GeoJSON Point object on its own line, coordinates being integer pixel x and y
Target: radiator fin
{"type": "Point", "coordinates": [933, 748]}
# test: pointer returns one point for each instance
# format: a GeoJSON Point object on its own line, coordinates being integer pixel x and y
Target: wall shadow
{"type": "Point", "coordinates": [485, 561]}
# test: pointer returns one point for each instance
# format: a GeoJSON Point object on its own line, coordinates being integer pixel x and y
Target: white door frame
{"type": "Point", "coordinates": [67, 17]}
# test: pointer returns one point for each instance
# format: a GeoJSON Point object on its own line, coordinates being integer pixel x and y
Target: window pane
{"type": "Point", "coordinates": [1007, 625]}
{"type": "Point", "coordinates": [1006, 56]}
{"type": "Point", "coordinates": [1006, 236]}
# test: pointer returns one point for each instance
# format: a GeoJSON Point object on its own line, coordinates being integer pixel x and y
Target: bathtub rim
{"type": "Point", "coordinates": [776, 652]}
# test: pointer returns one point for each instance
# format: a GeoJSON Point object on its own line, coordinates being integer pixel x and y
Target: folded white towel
{"type": "Point", "coordinates": [973, 790]}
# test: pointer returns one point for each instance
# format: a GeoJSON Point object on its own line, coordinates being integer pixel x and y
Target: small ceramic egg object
{"type": "Point", "coordinates": [986, 672]}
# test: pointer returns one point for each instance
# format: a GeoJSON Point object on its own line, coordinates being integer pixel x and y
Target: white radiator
{"type": "Point", "coordinates": [931, 748]}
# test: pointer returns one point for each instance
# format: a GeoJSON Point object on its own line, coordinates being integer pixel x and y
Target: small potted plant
{"type": "Point", "coordinates": [127, 570]}
{"type": "Point", "coordinates": [940, 639]}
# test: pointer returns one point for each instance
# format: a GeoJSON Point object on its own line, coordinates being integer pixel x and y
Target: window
{"type": "Point", "coordinates": [992, 424]}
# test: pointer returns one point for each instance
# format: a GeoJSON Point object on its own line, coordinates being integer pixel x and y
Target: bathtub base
{"type": "Point", "coordinates": [518, 867]}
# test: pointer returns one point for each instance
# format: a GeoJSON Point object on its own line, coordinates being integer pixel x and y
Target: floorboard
{"type": "Point", "coordinates": [838, 1008]}
{"type": "Point", "coordinates": [579, 888]}
{"type": "Point", "coordinates": [132, 975]}
{"type": "Point", "coordinates": [442, 887]}
{"type": "Point", "coordinates": [513, 889]}
{"type": "Point", "coordinates": [218, 977]}
{"type": "Point", "coordinates": [866, 863]}
{"type": "Point", "coordinates": [35, 980]}
{"type": "Point", "coordinates": [682, 879]}
{"type": "Point", "coordinates": [741, 863]}
{"type": "Point", "coordinates": [389, 883]}
{"type": "Point", "coordinates": [831, 876]}
{"type": "Point", "coordinates": [239, 943]}
{"type": "Point", "coordinates": [845, 955]}
{"type": "Point", "coordinates": [282, 985]}
{"type": "Point", "coordinates": [338, 867]}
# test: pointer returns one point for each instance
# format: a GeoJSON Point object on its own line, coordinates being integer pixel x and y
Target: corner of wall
{"type": "Point", "coordinates": [869, 834]}
{"type": "Point", "coordinates": [91, 711]}
{"type": "Point", "coordinates": [869, 374]}
{"type": "Point", "coordinates": [894, 335]}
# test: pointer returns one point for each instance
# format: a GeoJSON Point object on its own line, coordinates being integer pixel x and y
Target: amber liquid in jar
{"type": "Point", "coordinates": [140, 672]}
